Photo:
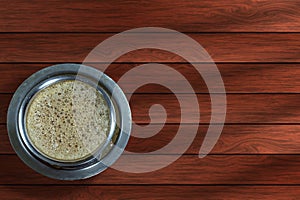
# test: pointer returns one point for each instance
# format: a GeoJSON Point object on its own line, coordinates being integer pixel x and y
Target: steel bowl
{"type": "Point", "coordinates": [106, 155]}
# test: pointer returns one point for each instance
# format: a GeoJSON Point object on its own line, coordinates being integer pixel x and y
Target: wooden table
{"type": "Point", "coordinates": [256, 46]}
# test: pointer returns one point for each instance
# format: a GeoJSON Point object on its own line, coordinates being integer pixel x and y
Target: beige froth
{"type": "Point", "coordinates": [67, 120]}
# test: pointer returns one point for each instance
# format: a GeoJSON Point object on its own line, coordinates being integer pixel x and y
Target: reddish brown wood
{"type": "Point", "coordinates": [150, 192]}
{"type": "Point", "coordinates": [246, 108]}
{"type": "Point", "coordinates": [241, 108]}
{"type": "Point", "coordinates": [248, 47]}
{"type": "Point", "coordinates": [5, 146]}
{"type": "Point", "coordinates": [238, 34]}
{"type": "Point", "coordinates": [192, 16]}
{"type": "Point", "coordinates": [235, 139]}
{"type": "Point", "coordinates": [5, 100]}
{"type": "Point", "coordinates": [237, 77]}
{"type": "Point", "coordinates": [237, 169]}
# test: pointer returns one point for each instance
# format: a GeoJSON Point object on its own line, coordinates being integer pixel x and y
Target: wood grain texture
{"type": "Point", "coordinates": [189, 169]}
{"type": "Point", "coordinates": [235, 139]}
{"type": "Point", "coordinates": [237, 77]}
{"type": "Point", "coordinates": [256, 45]}
{"type": "Point", "coordinates": [248, 47]}
{"type": "Point", "coordinates": [242, 108]}
{"type": "Point", "coordinates": [150, 192]}
{"type": "Point", "coordinates": [186, 16]}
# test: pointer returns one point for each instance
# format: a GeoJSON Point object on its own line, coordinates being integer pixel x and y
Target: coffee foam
{"type": "Point", "coordinates": [68, 120]}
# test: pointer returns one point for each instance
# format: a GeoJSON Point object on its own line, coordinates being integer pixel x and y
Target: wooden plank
{"type": "Point", "coordinates": [4, 103]}
{"type": "Point", "coordinates": [187, 16]}
{"type": "Point", "coordinates": [150, 192]}
{"type": "Point", "coordinates": [243, 169]}
{"type": "Point", "coordinates": [5, 146]}
{"type": "Point", "coordinates": [237, 77]}
{"type": "Point", "coordinates": [235, 139]}
{"type": "Point", "coordinates": [248, 47]}
{"type": "Point", "coordinates": [242, 108]}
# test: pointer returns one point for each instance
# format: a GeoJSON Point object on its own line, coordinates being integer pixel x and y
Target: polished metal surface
{"type": "Point", "coordinates": [120, 122]}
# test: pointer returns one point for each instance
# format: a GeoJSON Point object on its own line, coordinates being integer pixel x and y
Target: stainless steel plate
{"type": "Point", "coordinates": [120, 122]}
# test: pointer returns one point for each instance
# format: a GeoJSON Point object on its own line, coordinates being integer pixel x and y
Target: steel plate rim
{"type": "Point", "coordinates": [62, 174]}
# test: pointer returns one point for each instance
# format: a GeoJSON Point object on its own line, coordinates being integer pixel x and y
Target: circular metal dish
{"type": "Point", "coordinates": [106, 155]}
